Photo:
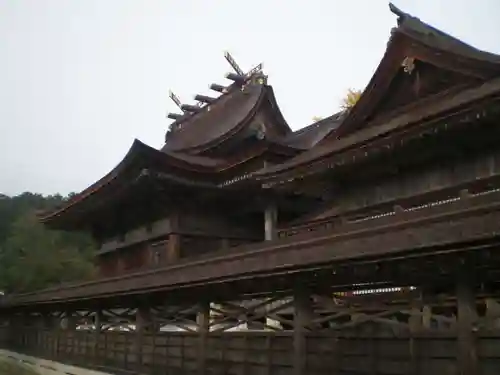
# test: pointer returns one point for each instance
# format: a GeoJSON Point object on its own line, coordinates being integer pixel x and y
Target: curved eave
{"type": "Point", "coordinates": [145, 182]}
{"type": "Point", "coordinates": [416, 39]}
{"type": "Point", "coordinates": [139, 157]}
{"type": "Point", "coordinates": [166, 166]}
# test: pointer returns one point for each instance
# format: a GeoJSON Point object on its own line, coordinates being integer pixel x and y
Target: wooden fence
{"type": "Point", "coordinates": [249, 353]}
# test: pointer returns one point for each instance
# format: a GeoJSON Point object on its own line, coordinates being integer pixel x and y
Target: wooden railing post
{"type": "Point", "coordinates": [467, 317]}
{"type": "Point", "coordinates": [97, 333]}
{"type": "Point", "coordinates": [302, 308]}
{"type": "Point", "coordinates": [142, 325]}
{"type": "Point", "coordinates": [203, 323]}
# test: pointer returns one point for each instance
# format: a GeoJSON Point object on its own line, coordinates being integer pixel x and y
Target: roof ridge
{"type": "Point", "coordinates": [234, 87]}
{"type": "Point", "coordinates": [335, 116]}
{"type": "Point", "coordinates": [408, 22]}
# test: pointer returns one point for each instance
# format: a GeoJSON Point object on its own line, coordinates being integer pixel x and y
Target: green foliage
{"type": "Point", "coordinates": [33, 257]}
{"type": "Point", "coordinates": [351, 99]}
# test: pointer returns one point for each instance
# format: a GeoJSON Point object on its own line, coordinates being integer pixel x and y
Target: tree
{"type": "Point", "coordinates": [347, 102]}
{"type": "Point", "coordinates": [32, 257]}
{"type": "Point", "coordinates": [350, 99]}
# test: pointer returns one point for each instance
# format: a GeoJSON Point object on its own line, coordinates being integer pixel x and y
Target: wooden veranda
{"type": "Point", "coordinates": [412, 292]}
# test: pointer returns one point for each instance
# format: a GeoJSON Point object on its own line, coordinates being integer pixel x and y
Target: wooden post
{"type": "Point", "coordinates": [302, 308]}
{"type": "Point", "coordinates": [467, 317]}
{"type": "Point", "coordinates": [415, 319]}
{"type": "Point", "coordinates": [270, 222]}
{"type": "Point", "coordinates": [142, 324]}
{"type": "Point", "coordinates": [203, 323]}
{"type": "Point", "coordinates": [97, 332]}
{"type": "Point", "coordinates": [427, 317]}
{"type": "Point", "coordinates": [173, 248]}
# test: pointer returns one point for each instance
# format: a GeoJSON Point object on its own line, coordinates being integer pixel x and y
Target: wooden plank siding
{"type": "Point", "coordinates": [249, 353]}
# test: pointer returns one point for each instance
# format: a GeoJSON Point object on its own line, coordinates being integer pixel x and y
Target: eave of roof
{"type": "Point", "coordinates": [138, 157]}
{"type": "Point", "coordinates": [141, 157]}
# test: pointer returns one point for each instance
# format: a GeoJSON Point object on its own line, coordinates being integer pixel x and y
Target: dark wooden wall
{"type": "Point", "coordinates": [256, 353]}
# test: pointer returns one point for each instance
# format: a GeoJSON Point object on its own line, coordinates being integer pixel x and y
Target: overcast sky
{"type": "Point", "coordinates": [80, 79]}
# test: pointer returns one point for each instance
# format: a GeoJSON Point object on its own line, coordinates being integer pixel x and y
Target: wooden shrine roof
{"type": "Point", "coordinates": [471, 73]}
{"type": "Point", "coordinates": [244, 108]}
{"type": "Point", "coordinates": [312, 134]}
{"type": "Point", "coordinates": [178, 168]}
{"type": "Point", "coordinates": [222, 119]}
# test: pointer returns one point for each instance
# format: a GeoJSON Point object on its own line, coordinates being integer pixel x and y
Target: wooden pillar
{"type": "Point", "coordinates": [203, 326]}
{"type": "Point", "coordinates": [427, 317]}
{"type": "Point", "coordinates": [142, 326]}
{"type": "Point", "coordinates": [302, 308]}
{"type": "Point", "coordinates": [270, 222]}
{"type": "Point", "coordinates": [270, 226]}
{"type": "Point", "coordinates": [173, 248]}
{"type": "Point", "coordinates": [467, 317]}
{"type": "Point", "coordinates": [143, 319]}
{"type": "Point", "coordinates": [416, 319]}
{"type": "Point", "coordinates": [97, 332]}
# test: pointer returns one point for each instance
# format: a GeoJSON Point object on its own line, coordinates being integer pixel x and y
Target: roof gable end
{"type": "Point", "coordinates": [420, 61]}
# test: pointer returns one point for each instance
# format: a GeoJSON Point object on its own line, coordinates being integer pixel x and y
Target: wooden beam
{"type": "Point", "coordinates": [218, 88]}
{"type": "Point", "coordinates": [205, 98]}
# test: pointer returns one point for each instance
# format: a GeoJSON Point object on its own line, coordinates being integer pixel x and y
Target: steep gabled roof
{"type": "Point", "coordinates": [415, 42]}
{"type": "Point", "coordinates": [471, 75]}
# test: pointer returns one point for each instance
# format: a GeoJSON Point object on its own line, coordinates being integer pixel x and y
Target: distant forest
{"type": "Point", "coordinates": [32, 257]}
